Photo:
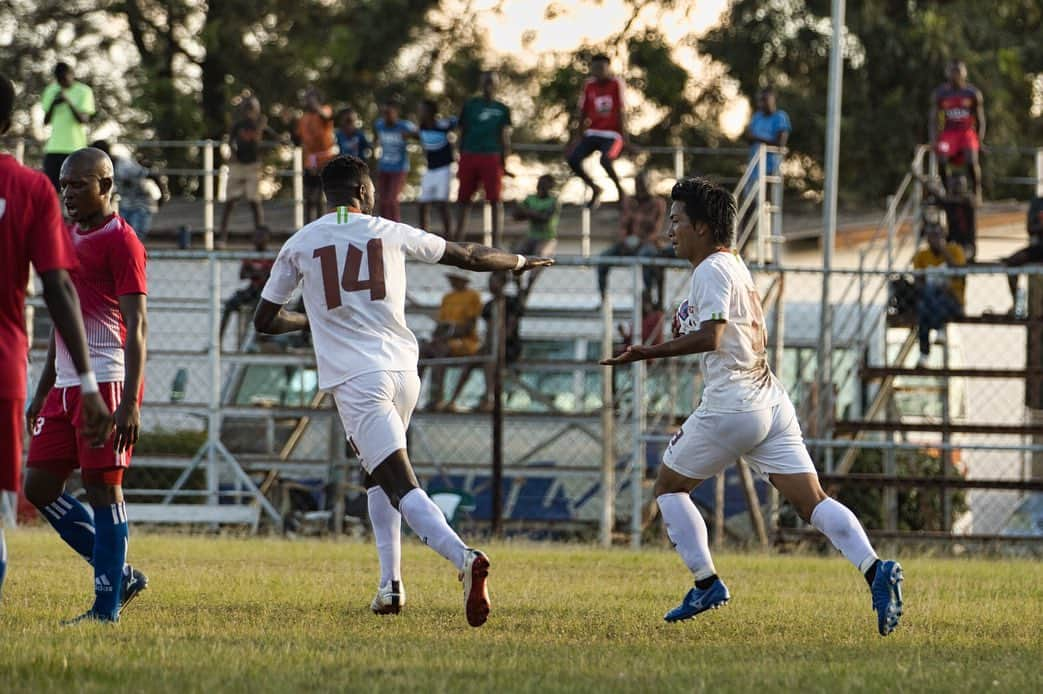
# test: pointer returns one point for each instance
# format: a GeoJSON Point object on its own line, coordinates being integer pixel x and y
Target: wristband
{"type": "Point", "coordinates": [521, 263]}
{"type": "Point", "coordinates": [88, 383]}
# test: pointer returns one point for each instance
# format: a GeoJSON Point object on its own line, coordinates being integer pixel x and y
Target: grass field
{"type": "Point", "coordinates": [250, 615]}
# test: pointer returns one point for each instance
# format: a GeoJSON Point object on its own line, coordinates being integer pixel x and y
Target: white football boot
{"type": "Point", "coordinates": [476, 593]}
{"type": "Point", "coordinates": [390, 598]}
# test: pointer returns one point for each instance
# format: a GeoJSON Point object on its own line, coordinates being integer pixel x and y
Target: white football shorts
{"type": "Point", "coordinates": [375, 409]}
{"type": "Point", "coordinates": [434, 184]}
{"type": "Point", "coordinates": [769, 440]}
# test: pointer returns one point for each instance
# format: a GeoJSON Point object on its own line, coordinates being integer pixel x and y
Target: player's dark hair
{"type": "Point", "coordinates": [710, 203]}
{"type": "Point", "coordinates": [342, 176]}
{"type": "Point", "coordinates": [61, 69]}
{"type": "Point", "coordinates": [600, 58]}
{"type": "Point", "coordinates": [6, 99]}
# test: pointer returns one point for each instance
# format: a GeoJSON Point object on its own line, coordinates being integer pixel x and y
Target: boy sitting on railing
{"type": "Point", "coordinates": [941, 298]}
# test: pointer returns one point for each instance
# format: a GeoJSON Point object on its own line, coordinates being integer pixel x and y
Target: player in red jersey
{"type": "Point", "coordinates": [961, 108]}
{"type": "Point", "coordinates": [31, 231]}
{"type": "Point", "coordinates": [601, 122]}
{"type": "Point", "coordinates": [110, 282]}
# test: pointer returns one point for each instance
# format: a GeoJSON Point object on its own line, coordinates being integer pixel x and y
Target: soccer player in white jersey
{"type": "Point", "coordinates": [353, 270]}
{"type": "Point", "coordinates": [744, 411]}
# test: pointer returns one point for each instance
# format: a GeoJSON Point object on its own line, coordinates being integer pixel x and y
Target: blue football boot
{"type": "Point", "coordinates": [697, 601]}
{"type": "Point", "coordinates": [887, 596]}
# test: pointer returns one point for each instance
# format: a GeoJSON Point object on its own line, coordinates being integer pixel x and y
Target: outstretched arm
{"type": "Point", "coordinates": [475, 256]}
{"type": "Point", "coordinates": [706, 339]}
{"type": "Point", "coordinates": [272, 319]}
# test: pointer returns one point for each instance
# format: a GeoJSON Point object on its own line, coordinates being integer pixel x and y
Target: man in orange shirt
{"type": "Point", "coordinates": [315, 136]}
{"type": "Point", "coordinates": [456, 334]}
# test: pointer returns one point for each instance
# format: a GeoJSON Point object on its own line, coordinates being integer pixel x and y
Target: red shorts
{"type": "Point", "coordinates": [12, 418]}
{"type": "Point", "coordinates": [58, 447]}
{"type": "Point", "coordinates": [952, 143]}
{"type": "Point", "coordinates": [484, 168]}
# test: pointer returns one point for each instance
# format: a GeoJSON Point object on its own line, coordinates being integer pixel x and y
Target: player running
{"type": "Point", "coordinates": [744, 410]}
{"type": "Point", "coordinates": [31, 231]}
{"type": "Point", "coordinates": [354, 282]}
{"type": "Point", "coordinates": [110, 282]}
{"type": "Point", "coordinates": [962, 109]}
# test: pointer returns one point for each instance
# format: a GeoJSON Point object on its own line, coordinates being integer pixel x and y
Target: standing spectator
{"type": "Point", "coordinates": [391, 133]}
{"type": "Point", "coordinates": [485, 144]}
{"type": "Point", "coordinates": [640, 230]}
{"type": "Point", "coordinates": [652, 320]}
{"type": "Point", "coordinates": [315, 135]}
{"type": "Point", "coordinates": [601, 118]}
{"type": "Point", "coordinates": [514, 309]}
{"type": "Point", "coordinates": [961, 108]}
{"type": "Point", "coordinates": [769, 126]}
{"type": "Point", "coordinates": [542, 210]}
{"type": "Point", "coordinates": [351, 139]}
{"type": "Point", "coordinates": [256, 272]}
{"type": "Point", "coordinates": [455, 335]}
{"type": "Point", "coordinates": [140, 192]}
{"type": "Point", "coordinates": [434, 186]}
{"type": "Point", "coordinates": [244, 169]}
{"type": "Point", "coordinates": [1033, 253]}
{"type": "Point", "coordinates": [941, 299]}
{"type": "Point", "coordinates": [67, 106]}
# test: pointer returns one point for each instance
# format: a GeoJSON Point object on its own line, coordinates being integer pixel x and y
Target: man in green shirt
{"type": "Point", "coordinates": [67, 106]}
{"type": "Point", "coordinates": [542, 210]}
{"type": "Point", "coordinates": [485, 143]}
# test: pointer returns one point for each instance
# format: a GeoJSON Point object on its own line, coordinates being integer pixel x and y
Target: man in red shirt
{"type": "Point", "coordinates": [601, 119]}
{"type": "Point", "coordinates": [110, 282]}
{"type": "Point", "coordinates": [31, 231]}
{"type": "Point", "coordinates": [962, 109]}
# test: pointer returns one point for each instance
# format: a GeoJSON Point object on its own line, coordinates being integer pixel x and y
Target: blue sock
{"type": "Point", "coordinates": [73, 522]}
{"type": "Point", "coordinates": [110, 553]}
{"type": "Point", "coordinates": [3, 558]}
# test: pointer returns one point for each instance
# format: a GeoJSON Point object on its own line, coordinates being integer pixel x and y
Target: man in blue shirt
{"type": "Point", "coordinates": [434, 186]}
{"type": "Point", "coordinates": [350, 138]}
{"type": "Point", "coordinates": [391, 135]}
{"type": "Point", "coordinates": [768, 126]}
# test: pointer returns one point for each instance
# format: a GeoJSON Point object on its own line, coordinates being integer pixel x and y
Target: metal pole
{"type": "Point", "coordinates": [608, 430]}
{"type": "Point", "coordinates": [208, 195]}
{"type": "Point", "coordinates": [500, 314]}
{"type": "Point", "coordinates": [584, 225]}
{"type": "Point", "coordinates": [1039, 172]}
{"type": "Point", "coordinates": [637, 471]}
{"type": "Point", "coordinates": [718, 510]}
{"type": "Point", "coordinates": [776, 219]}
{"type": "Point", "coordinates": [829, 220]}
{"type": "Point", "coordinates": [487, 224]}
{"type": "Point", "coordinates": [298, 187]}
{"type": "Point", "coordinates": [891, 212]}
{"type": "Point", "coordinates": [678, 162]}
{"type": "Point", "coordinates": [213, 435]}
{"type": "Point", "coordinates": [762, 198]}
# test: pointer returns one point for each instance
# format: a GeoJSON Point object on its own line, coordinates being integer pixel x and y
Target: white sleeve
{"type": "Point", "coordinates": [421, 245]}
{"type": "Point", "coordinates": [712, 291]}
{"type": "Point", "coordinates": [284, 278]}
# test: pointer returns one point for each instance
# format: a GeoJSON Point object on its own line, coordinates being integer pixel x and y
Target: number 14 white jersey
{"type": "Point", "coordinates": [353, 268]}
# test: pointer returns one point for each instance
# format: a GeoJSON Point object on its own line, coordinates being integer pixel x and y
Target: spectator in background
{"type": "Point", "coordinates": [139, 191]}
{"type": "Point", "coordinates": [542, 210]}
{"type": "Point", "coordinates": [651, 324]}
{"type": "Point", "coordinates": [961, 108]}
{"type": "Point", "coordinates": [769, 126]}
{"type": "Point", "coordinates": [434, 186]}
{"type": "Point", "coordinates": [315, 136]}
{"type": "Point", "coordinates": [67, 107]}
{"type": "Point", "coordinates": [1033, 253]}
{"type": "Point", "coordinates": [244, 169]}
{"type": "Point", "coordinates": [940, 299]}
{"type": "Point", "coordinates": [455, 335]}
{"type": "Point", "coordinates": [640, 230]}
{"type": "Point", "coordinates": [351, 139]}
{"type": "Point", "coordinates": [600, 126]}
{"type": "Point", "coordinates": [485, 144]}
{"type": "Point", "coordinates": [256, 271]}
{"type": "Point", "coordinates": [393, 165]}
{"type": "Point", "coordinates": [514, 309]}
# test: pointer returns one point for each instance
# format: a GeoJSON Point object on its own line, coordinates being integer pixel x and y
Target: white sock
{"type": "Point", "coordinates": [835, 521]}
{"type": "Point", "coordinates": [687, 530]}
{"type": "Point", "coordinates": [387, 532]}
{"type": "Point", "coordinates": [429, 523]}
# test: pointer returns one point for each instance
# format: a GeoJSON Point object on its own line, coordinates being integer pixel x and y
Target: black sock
{"type": "Point", "coordinates": [871, 573]}
{"type": "Point", "coordinates": [704, 583]}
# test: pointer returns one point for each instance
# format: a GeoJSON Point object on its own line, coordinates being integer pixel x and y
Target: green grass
{"type": "Point", "coordinates": [250, 615]}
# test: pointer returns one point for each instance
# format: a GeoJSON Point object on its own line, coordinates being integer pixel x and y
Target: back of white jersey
{"type": "Point", "coordinates": [736, 377]}
{"type": "Point", "coordinates": [353, 268]}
